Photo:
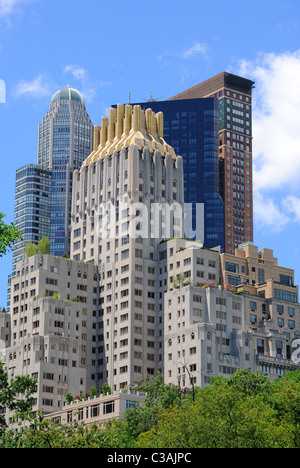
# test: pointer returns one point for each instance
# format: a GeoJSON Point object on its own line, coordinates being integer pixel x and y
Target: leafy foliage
{"type": "Point", "coordinates": [43, 248]}
{"type": "Point", "coordinates": [243, 411]}
{"type": "Point", "coordinates": [9, 234]}
{"type": "Point", "coordinates": [15, 395]}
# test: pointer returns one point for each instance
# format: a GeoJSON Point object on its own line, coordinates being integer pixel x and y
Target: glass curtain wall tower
{"type": "Point", "coordinates": [65, 141]}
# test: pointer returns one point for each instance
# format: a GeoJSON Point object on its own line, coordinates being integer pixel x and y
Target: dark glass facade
{"type": "Point", "coordinates": [191, 128]}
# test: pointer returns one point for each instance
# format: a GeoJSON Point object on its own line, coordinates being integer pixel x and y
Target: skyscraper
{"type": "Point", "coordinates": [65, 140]}
{"type": "Point", "coordinates": [131, 172]}
{"type": "Point", "coordinates": [191, 128]}
{"type": "Point", "coordinates": [234, 94]}
{"type": "Point", "coordinates": [32, 206]}
{"type": "Point", "coordinates": [32, 211]}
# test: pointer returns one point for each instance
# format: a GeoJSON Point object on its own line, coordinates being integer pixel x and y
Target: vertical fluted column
{"type": "Point", "coordinates": [89, 187]}
{"type": "Point", "coordinates": [112, 125]}
{"type": "Point", "coordinates": [82, 190]}
{"type": "Point", "coordinates": [120, 121]}
{"type": "Point", "coordinates": [97, 182]}
{"type": "Point", "coordinates": [160, 124]}
{"type": "Point", "coordinates": [114, 159]}
{"type": "Point", "coordinates": [122, 171]}
{"type": "Point", "coordinates": [133, 170]}
{"type": "Point", "coordinates": [169, 177]}
{"type": "Point", "coordinates": [180, 179]}
{"type": "Point", "coordinates": [147, 172]}
{"type": "Point", "coordinates": [158, 175]}
{"type": "Point", "coordinates": [127, 119]}
{"type": "Point", "coordinates": [74, 193]}
{"type": "Point", "coordinates": [97, 131]}
{"type": "Point", "coordinates": [103, 133]}
{"type": "Point", "coordinates": [136, 123]}
{"type": "Point", "coordinates": [105, 178]}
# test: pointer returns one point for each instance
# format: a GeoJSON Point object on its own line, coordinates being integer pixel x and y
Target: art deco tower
{"type": "Point", "coordinates": [131, 169]}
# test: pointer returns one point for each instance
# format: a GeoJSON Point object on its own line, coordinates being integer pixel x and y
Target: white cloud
{"type": "Point", "coordinates": [270, 213]}
{"type": "Point", "coordinates": [39, 87]}
{"type": "Point", "coordinates": [292, 205]}
{"type": "Point", "coordinates": [78, 73]}
{"type": "Point", "coordinates": [8, 7]}
{"type": "Point", "coordinates": [197, 48]}
{"type": "Point", "coordinates": [88, 88]}
{"type": "Point", "coordinates": [276, 144]}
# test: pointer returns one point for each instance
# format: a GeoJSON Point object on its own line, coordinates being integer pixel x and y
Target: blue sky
{"type": "Point", "coordinates": [105, 49]}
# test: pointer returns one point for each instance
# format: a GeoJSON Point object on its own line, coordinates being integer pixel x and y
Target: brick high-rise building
{"type": "Point", "coordinates": [234, 94]}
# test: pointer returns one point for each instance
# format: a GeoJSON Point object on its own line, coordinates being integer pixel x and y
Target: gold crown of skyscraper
{"type": "Point", "coordinates": [128, 125]}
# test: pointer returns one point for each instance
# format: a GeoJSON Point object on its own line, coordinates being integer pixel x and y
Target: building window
{"type": "Point", "coordinates": [285, 296]}
{"type": "Point", "coordinates": [260, 346]}
{"type": "Point", "coordinates": [280, 322]}
{"type": "Point", "coordinates": [233, 280]}
{"type": "Point", "coordinates": [253, 319]}
{"type": "Point", "coordinates": [280, 309]}
{"type": "Point", "coordinates": [284, 279]}
{"type": "Point", "coordinates": [261, 276]}
{"type": "Point", "coordinates": [232, 267]}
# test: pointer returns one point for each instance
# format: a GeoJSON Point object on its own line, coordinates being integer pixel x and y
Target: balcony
{"type": "Point", "coordinates": [275, 361]}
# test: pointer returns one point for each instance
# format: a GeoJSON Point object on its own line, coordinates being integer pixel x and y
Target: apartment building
{"type": "Point", "coordinates": [114, 193]}
{"type": "Point", "coordinates": [212, 329]}
{"type": "Point", "coordinates": [98, 410]}
{"type": "Point", "coordinates": [55, 327]}
{"type": "Point", "coordinates": [4, 330]}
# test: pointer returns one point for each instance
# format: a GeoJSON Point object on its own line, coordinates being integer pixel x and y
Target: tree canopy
{"type": "Point", "coordinates": [243, 411]}
{"type": "Point", "coordinates": [9, 234]}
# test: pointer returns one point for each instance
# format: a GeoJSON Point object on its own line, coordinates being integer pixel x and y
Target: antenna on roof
{"type": "Point", "coordinates": [129, 97]}
{"type": "Point", "coordinates": [152, 99]}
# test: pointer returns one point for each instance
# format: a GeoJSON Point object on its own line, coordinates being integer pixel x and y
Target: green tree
{"type": "Point", "coordinates": [94, 392]}
{"type": "Point", "coordinates": [159, 397]}
{"type": "Point", "coordinates": [222, 416]}
{"type": "Point", "coordinates": [69, 397]}
{"type": "Point", "coordinates": [105, 389]}
{"type": "Point", "coordinates": [15, 395]}
{"type": "Point", "coordinates": [9, 234]}
{"type": "Point", "coordinates": [250, 383]}
{"type": "Point", "coordinates": [286, 401]}
{"type": "Point", "coordinates": [42, 248]}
